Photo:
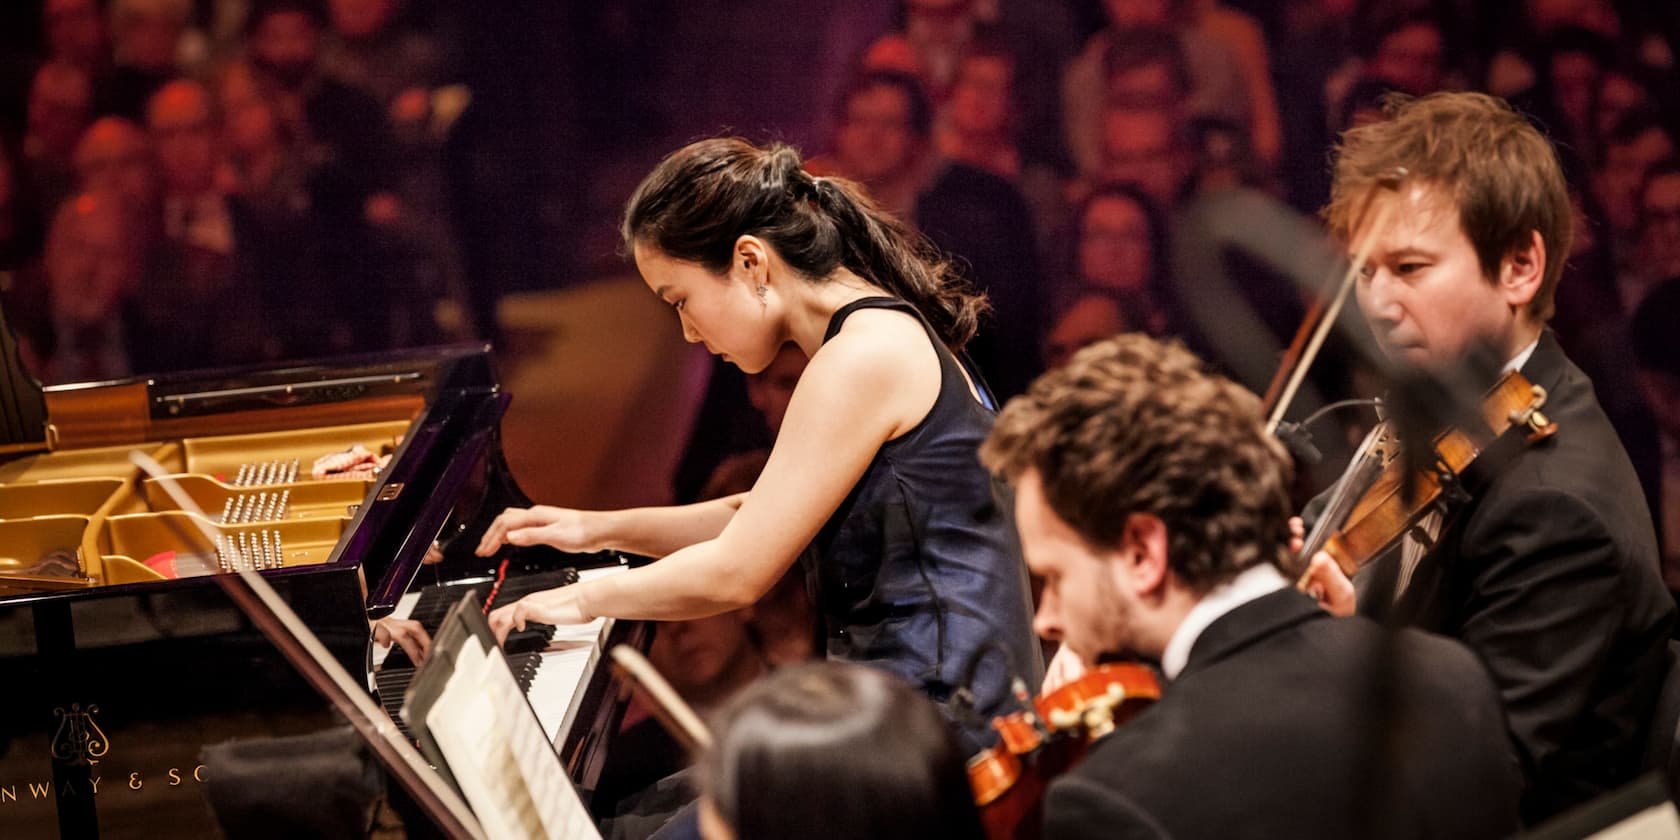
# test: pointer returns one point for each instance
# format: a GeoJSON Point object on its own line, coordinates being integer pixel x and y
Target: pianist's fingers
{"type": "Point", "coordinates": [1297, 534]}
{"type": "Point", "coordinates": [501, 622]}
{"type": "Point", "coordinates": [496, 534]}
{"type": "Point", "coordinates": [408, 634]}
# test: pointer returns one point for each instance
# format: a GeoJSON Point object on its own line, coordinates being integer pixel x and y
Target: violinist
{"type": "Point", "coordinates": [1549, 572]}
{"type": "Point", "coordinates": [1153, 503]}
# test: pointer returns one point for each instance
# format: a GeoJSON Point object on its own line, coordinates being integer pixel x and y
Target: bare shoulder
{"type": "Point", "coordinates": [883, 359]}
{"type": "Point", "coordinates": [876, 342]}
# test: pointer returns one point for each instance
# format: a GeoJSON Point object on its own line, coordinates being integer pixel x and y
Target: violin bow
{"type": "Point", "coordinates": [678, 717]}
{"type": "Point", "coordinates": [1326, 314]}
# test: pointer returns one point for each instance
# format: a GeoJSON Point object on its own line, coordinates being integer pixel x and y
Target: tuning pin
{"type": "Point", "coordinates": [239, 480]}
{"type": "Point", "coordinates": [227, 509]}
{"type": "Point", "coordinates": [285, 501]}
{"type": "Point", "coordinates": [291, 474]}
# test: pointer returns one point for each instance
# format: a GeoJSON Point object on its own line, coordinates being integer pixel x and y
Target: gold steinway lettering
{"type": "Point", "coordinates": [196, 771]}
{"type": "Point", "coordinates": [40, 791]}
{"type": "Point", "coordinates": [95, 783]}
{"type": "Point", "coordinates": [8, 793]}
{"type": "Point", "coordinates": [174, 777]}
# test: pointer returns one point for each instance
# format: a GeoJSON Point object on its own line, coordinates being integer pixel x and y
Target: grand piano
{"type": "Point", "coordinates": [121, 658]}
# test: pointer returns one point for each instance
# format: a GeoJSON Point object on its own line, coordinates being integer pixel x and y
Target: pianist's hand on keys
{"type": "Point", "coordinates": [562, 528]}
{"type": "Point", "coordinates": [550, 606]}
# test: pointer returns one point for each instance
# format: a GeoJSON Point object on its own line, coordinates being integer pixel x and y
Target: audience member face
{"type": "Point", "coordinates": [1139, 147]}
{"type": "Point", "coordinates": [876, 142]}
{"type": "Point", "coordinates": [182, 125]}
{"type": "Point", "coordinates": [1084, 604]}
{"type": "Point", "coordinates": [1618, 96]}
{"type": "Point", "coordinates": [360, 18]}
{"type": "Point", "coordinates": [1135, 14]}
{"type": "Point", "coordinates": [285, 46]}
{"type": "Point", "coordinates": [980, 101]}
{"type": "Point", "coordinates": [1548, 16]}
{"type": "Point", "coordinates": [149, 39]}
{"type": "Point", "coordinates": [115, 157]}
{"type": "Point", "coordinates": [702, 657]}
{"type": "Point", "coordinates": [92, 259]}
{"type": "Point", "coordinates": [1625, 165]}
{"type": "Point", "coordinates": [1089, 319]}
{"type": "Point", "coordinates": [60, 101]}
{"type": "Point", "coordinates": [1114, 245]}
{"type": "Point", "coordinates": [1575, 78]}
{"type": "Point", "coordinates": [1659, 213]}
{"type": "Point", "coordinates": [75, 32]}
{"type": "Point", "coordinates": [770, 390]}
{"type": "Point", "coordinates": [938, 21]}
{"type": "Point", "coordinates": [1145, 86]}
{"type": "Point", "coordinates": [1411, 58]}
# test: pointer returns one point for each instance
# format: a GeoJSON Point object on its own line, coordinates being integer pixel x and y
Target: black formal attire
{"type": "Point", "coordinates": [1550, 575]}
{"type": "Point", "coordinates": [918, 572]}
{"type": "Point", "coordinates": [1289, 722]}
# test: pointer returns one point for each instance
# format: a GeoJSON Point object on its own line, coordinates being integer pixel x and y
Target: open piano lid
{"type": "Point", "coordinates": [23, 405]}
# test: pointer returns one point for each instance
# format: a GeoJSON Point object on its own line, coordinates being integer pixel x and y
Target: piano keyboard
{"type": "Point", "coordinates": [551, 663]}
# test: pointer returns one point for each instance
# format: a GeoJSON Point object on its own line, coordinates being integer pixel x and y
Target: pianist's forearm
{"type": "Point", "coordinates": [658, 531]}
{"type": "Point", "coordinates": [691, 583]}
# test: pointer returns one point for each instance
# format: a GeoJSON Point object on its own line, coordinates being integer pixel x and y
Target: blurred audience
{"type": "Point", "coordinates": [95, 263]}
{"type": "Point", "coordinates": [884, 141]}
{"type": "Point", "coordinates": [210, 256]}
{"type": "Point", "coordinates": [115, 156]}
{"type": "Point", "coordinates": [1658, 358]}
{"type": "Point", "coordinates": [1658, 234]}
{"type": "Point", "coordinates": [60, 106]}
{"type": "Point", "coordinates": [1215, 78]}
{"type": "Point", "coordinates": [147, 37]}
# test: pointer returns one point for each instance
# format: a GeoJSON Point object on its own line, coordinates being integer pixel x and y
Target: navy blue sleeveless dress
{"type": "Point", "coordinates": [919, 571]}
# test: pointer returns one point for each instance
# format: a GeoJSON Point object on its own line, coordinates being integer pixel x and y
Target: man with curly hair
{"type": "Point", "coordinates": [1155, 506]}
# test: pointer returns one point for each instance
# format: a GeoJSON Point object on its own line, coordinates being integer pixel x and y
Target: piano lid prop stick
{"type": "Point", "coordinates": [679, 718]}
{"type": "Point", "coordinates": [304, 651]}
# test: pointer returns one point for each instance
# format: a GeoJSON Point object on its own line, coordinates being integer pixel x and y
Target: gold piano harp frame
{"type": "Point", "coordinates": [304, 651]}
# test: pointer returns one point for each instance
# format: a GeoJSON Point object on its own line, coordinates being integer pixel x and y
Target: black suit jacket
{"type": "Point", "coordinates": [1288, 722]}
{"type": "Point", "coordinates": [1551, 576]}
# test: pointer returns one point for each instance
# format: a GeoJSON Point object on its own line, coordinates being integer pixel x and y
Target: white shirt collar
{"type": "Point", "coordinates": [1252, 583]}
{"type": "Point", "coordinates": [1521, 358]}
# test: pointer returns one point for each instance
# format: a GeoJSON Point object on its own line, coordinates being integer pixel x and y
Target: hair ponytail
{"type": "Point", "coordinates": [703, 197]}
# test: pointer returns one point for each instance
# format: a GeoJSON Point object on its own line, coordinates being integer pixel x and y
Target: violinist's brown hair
{"type": "Point", "coordinates": [1502, 174]}
{"type": "Point", "coordinates": [1135, 425]}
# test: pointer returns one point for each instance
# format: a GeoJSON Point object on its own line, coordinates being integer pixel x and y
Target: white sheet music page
{"type": "Point", "coordinates": [497, 752]}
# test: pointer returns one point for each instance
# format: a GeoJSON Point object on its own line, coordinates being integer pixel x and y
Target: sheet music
{"type": "Point", "coordinates": [498, 754]}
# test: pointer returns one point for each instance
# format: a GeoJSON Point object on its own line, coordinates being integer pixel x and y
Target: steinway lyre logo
{"type": "Point", "coordinates": [79, 739]}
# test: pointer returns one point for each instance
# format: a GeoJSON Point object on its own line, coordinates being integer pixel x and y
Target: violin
{"type": "Point", "coordinates": [1381, 497]}
{"type": "Point", "coordinates": [1047, 738]}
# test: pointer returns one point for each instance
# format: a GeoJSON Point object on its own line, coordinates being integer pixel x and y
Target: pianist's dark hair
{"type": "Point", "coordinates": [858, 751]}
{"type": "Point", "coordinates": [703, 197]}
